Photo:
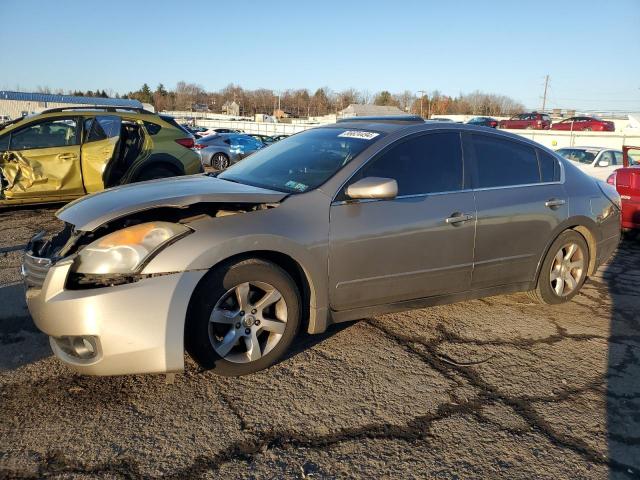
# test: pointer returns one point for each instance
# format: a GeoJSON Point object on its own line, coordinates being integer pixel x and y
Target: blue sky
{"type": "Point", "coordinates": [590, 49]}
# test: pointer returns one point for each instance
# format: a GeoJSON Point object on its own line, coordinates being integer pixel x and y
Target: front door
{"type": "Point", "coordinates": [419, 244]}
{"type": "Point", "coordinates": [43, 160]}
{"type": "Point", "coordinates": [101, 143]}
{"type": "Point", "coordinates": [520, 202]}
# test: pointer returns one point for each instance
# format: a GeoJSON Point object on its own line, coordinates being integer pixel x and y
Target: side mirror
{"type": "Point", "coordinates": [373, 187]}
{"type": "Point", "coordinates": [603, 163]}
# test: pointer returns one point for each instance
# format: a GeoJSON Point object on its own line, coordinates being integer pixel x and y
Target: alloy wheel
{"type": "Point", "coordinates": [220, 162]}
{"type": "Point", "coordinates": [247, 322]}
{"type": "Point", "coordinates": [567, 269]}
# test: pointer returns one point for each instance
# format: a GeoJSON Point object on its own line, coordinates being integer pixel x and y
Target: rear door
{"type": "Point", "coordinates": [43, 160]}
{"type": "Point", "coordinates": [386, 251]}
{"type": "Point", "coordinates": [100, 145]}
{"type": "Point", "coordinates": [520, 200]}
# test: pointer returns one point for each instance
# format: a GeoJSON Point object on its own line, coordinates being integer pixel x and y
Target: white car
{"type": "Point", "coordinates": [598, 162]}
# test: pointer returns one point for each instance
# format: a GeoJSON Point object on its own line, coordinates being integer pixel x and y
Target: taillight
{"type": "Point", "coordinates": [199, 146]}
{"type": "Point", "coordinates": [493, 124]}
{"type": "Point", "coordinates": [612, 179]}
{"type": "Point", "coordinates": [186, 142]}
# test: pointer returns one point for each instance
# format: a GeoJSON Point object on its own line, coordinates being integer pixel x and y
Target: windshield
{"type": "Point", "coordinates": [301, 162]}
{"type": "Point", "coordinates": [578, 154]}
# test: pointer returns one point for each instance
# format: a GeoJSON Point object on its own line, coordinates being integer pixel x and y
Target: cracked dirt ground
{"type": "Point", "coordinates": [493, 388]}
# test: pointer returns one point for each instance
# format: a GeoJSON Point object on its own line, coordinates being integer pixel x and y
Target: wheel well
{"type": "Point", "coordinates": [591, 244]}
{"type": "Point", "coordinates": [288, 264]}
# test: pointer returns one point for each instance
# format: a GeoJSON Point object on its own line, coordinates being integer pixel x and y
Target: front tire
{"type": "Point", "coordinates": [243, 317]}
{"type": "Point", "coordinates": [564, 269]}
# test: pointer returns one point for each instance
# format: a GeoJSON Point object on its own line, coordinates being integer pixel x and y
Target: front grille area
{"type": "Point", "coordinates": [34, 270]}
{"type": "Point", "coordinates": [41, 253]}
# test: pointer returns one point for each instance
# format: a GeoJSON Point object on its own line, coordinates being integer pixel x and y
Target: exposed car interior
{"type": "Point", "coordinates": [127, 150]}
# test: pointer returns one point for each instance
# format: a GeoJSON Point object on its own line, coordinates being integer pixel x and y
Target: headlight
{"type": "Point", "coordinates": [126, 250]}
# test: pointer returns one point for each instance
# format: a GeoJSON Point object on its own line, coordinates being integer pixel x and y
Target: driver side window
{"type": "Point", "coordinates": [430, 163]}
{"type": "Point", "coordinates": [46, 134]}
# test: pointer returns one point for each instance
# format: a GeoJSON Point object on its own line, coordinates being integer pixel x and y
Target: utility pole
{"type": "Point", "coordinates": [544, 97]}
{"type": "Point", "coordinates": [421, 92]}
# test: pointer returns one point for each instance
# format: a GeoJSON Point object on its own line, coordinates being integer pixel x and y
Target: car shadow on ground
{"type": "Point", "coordinates": [622, 279]}
{"type": "Point", "coordinates": [21, 342]}
{"type": "Point", "coordinates": [305, 341]}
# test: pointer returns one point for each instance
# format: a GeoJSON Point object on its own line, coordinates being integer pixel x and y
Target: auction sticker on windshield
{"type": "Point", "coordinates": [361, 134]}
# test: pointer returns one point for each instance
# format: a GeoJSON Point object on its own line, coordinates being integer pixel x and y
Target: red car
{"type": "Point", "coordinates": [531, 121]}
{"type": "Point", "coordinates": [584, 124]}
{"type": "Point", "coordinates": [627, 182]}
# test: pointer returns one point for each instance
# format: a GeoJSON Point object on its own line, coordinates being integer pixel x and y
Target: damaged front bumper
{"type": "Point", "coordinates": [124, 329]}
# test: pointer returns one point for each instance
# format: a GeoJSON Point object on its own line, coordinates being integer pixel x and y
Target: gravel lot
{"type": "Point", "coordinates": [493, 388]}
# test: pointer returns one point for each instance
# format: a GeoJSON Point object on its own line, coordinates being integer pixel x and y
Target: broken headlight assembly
{"type": "Point", "coordinates": [128, 250]}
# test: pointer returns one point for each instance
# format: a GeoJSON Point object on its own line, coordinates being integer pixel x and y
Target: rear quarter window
{"type": "Point", "coordinates": [549, 167]}
{"type": "Point", "coordinates": [501, 163]}
{"type": "Point", "coordinates": [152, 128]}
{"type": "Point", "coordinates": [4, 143]}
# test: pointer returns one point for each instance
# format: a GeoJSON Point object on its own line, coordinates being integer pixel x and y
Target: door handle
{"type": "Point", "coordinates": [458, 217]}
{"type": "Point", "coordinates": [554, 202]}
{"type": "Point", "coordinates": [66, 156]}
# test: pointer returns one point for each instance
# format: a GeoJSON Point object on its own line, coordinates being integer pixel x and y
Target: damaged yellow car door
{"type": "Point", "coordinates": [43, 160]}
{"type": "Point", "coordinates": [101, 145]}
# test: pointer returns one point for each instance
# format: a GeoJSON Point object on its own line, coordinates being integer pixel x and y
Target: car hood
{"type": "Point", "coordinates": [90, 212]}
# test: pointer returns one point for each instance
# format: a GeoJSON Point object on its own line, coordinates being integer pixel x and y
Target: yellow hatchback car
{"type": "Point", "coordinates": [64, 153]}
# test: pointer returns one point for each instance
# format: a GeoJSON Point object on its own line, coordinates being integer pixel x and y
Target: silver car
{"type": "Point", "coordinates": [221, 149]}
{"type": "Point", "coordinates": [359, 218]}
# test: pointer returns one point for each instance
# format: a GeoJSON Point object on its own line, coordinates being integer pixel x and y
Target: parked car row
{"type": "Point", "coordinates": [542, 121]}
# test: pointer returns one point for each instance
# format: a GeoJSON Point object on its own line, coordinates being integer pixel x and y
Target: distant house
{"type": "Point", "coordinates": [231, 108]}
{"type": "Point", "coordinates": [18, 104]}
{"type": "Point", "coordinates": [362, 110]}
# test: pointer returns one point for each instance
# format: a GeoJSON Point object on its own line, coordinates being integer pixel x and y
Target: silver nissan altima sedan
{"type": "Point", "coordinates": [359, 218]}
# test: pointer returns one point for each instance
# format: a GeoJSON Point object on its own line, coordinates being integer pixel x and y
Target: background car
{"type": "Point", "coordinates": [223, 149]}
{"type": "Point", "coordinates": [530, 121]}
{"type": "Point", "coordinates": [627, 183]}
{"type": "Point", "coordinates": [595, 161]}
{"type": "Point", "coordinates": [277, 138]}
{"type": "Point", "coordinates": [64, 153]}
{"type": "Point", "coordinates": [212, 131]}
{"type": "Point", "coordinates": [440, 119]}
{"type": "Point", "coordinates": [266, 139]}
{"type": "Point", "coordinates": [483, 122]}
{"type": "Point", "coordinates": [584, 124]}
{"type": "Point", "coordinates": [194, 130]}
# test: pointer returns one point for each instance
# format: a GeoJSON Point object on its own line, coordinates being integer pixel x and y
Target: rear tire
{"type": "Point", "coordinates": [564, 269]}
{"type": "Point", "coordinates": [243, 317]}
{"type": "Point", "coordinates": [220, 161]}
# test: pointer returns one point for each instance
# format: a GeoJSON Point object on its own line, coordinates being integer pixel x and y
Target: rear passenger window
{"type": "Point", "coordinates": [501, 163]}
{"type": "Point", "coordinates": [429, 163]}
{"type": "Point", "coordinates": [549, 167]}
{"type": "Point", "coordinates": [152, 128]}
